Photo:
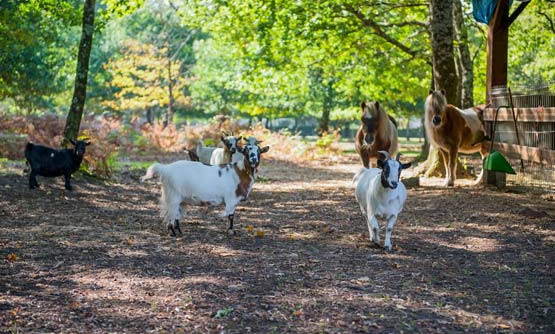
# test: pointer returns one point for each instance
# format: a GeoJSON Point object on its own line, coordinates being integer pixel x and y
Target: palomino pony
{"type": "Point", "coordinates": [377, 132]}
{"type": "Point", "coordinates": [453, 130]}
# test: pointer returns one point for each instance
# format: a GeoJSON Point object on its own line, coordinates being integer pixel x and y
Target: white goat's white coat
{"type": "Point", "coordinates": [377, 201]}
{"type": "Point", "coordinates": [204, 153]}
{"type": "Point", "coordinates": [217, 157]}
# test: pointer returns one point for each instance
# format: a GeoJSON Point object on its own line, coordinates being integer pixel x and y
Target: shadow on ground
{"type": "Point", "coordinates": [98, 260]}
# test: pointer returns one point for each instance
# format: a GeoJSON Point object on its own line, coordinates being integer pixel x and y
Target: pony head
{"type": "Point", "coordinates": [436, 104]}
{"type": "Point", "coordinates": [370, 120]}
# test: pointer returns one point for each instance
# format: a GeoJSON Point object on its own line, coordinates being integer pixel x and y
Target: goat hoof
{"type": "Point", "coordinates": [70, 188]}
{"type": "Point", "coordinates": [388, 248]}
{"type": "Point", "coordinates": [231, 232]}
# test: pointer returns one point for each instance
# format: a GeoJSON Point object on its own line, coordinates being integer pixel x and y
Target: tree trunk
{"type": "Point", "coordinates": [443, 58]}
{"type": "Point", "coordinates": [326, 108]}
{"type": "Point", "coordinates": [444, 76]}
{"type": "Point", "coordinates": [325, 121]}
{"type": "Point", "coordinates": [73, 121]}
{"type": "Point", "coordinates": [170, 112]}
{"type": "Point", "coordinates": [466, 73]}
{"type": "Point", "coordinates": [434, 166]}
{"type": "Point", "coordinates": [149, 115]}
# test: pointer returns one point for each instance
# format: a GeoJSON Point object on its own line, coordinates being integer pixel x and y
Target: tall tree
{"type": "Point", "coordinates": [75, 114]}
{"type": "Point", "coordinates": [443, 57]}
{"type": "Point", "coordinates": [464, 61]}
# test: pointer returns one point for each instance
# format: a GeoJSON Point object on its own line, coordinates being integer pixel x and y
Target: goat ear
{"type": "Point", "coordinates": [381, 164]}
{"type": "Point", "coordinates": [73, 142]}
{"type": "Point", "coordinates": [223, 139]}
{"type": "Point", "coordinates": [362, 105]}
{"type": "Point", "coordinates": [407, 165]}
{"type": "Point", "coordinates": [240, 137]}
{"type": "Point", "coordinates": [377, 105]}
{"type": "Point", "coordinates": [443, 92]}
{"type": "Point", "coordinates": [264, 149]}
{"type": "Point", "coordinates": [430, 92]}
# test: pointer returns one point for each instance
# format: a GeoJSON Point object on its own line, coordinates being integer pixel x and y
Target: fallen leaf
{"type": "Point", "coordinates": [12, 257]}
{"type": "Point", "coordinates": [260, 233]}
{"type": "Point", "coordinates": [249, 228]}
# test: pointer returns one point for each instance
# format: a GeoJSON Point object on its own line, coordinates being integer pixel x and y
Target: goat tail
{"type": "Point", "coordinates": [152, 171]}
{"type": "Point", "coordinates": [358, 175]}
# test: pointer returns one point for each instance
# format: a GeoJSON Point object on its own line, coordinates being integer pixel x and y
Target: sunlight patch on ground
{"type": "Point", "coordinates": [474, 244]}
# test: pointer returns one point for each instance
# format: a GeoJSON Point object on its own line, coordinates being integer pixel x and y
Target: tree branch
{"type": "Point", "coordinates": [406, 23]}
{"type": "Point", "coordinates": [379, 32]}
{"type": "Point", "coordinates": [548, 20]}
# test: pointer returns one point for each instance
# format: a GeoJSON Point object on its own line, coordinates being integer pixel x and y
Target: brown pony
{"type": "Point", "coordinates": [453, 130]}
{"type": "Point", "coordinates": [377, 132]}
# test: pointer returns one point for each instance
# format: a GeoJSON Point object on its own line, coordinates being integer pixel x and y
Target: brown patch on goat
{"type": "Point", "coordinates": [245, 179]}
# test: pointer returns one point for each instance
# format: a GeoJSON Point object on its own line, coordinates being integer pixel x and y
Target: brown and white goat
{"type": "Point", "coordinates": [195, 183]}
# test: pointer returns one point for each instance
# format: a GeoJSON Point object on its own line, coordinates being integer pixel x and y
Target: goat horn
{"type": "Point", "coordinates": [398, 156]}
{"type": "Point", "coordinates": [385, 154]}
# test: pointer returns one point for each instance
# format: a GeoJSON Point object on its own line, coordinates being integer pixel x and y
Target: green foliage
{"type": "Point", "coordinates": [33, 65]}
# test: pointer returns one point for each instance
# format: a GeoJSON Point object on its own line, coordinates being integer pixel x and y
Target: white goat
{"type": "Point", "coordinates": [191, 182]}
{"type": "Point", "coordinates": [204, 153]}
{"type": "Point", "coordinates": [380, 194]}
{"type": "Point", "coordinates": [227, 154]}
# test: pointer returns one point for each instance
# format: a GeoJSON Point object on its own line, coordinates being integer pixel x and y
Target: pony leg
{"type": "Point", "coordinates": [453, 153]}
{"type": "Point", "coordinates": [445, 156]}
{"type": "Point", "coordinates": [484, 152]}
{"type": "Point", "coordinates": [365, 158]}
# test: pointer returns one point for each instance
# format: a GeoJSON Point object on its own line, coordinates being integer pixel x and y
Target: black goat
{"type": "Point", "coordinates": [49, 162]}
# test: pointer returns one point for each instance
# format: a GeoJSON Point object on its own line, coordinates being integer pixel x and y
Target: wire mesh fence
{"type": "Point", "coordinates": [531, 142]}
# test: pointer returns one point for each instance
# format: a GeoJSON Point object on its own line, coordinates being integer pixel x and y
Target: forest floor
{"type": "Point", "coordinates": [99, 260]}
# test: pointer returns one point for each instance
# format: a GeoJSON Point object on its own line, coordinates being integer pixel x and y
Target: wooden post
{"type": "Point", "coordinates": [497, 46]}
{"type": "Point", "coordinates": [498, 41]}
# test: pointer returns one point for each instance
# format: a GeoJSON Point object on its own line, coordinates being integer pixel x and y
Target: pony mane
{"type": "Point", "coordinates": [383, 122]}
{"type": "Point", "coordinates": [435, 102]}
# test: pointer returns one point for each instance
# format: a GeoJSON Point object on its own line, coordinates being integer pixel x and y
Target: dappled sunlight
{"type": "Point", "coordinates": [301, 257]}
{"type": "Point", "coordinates": [474, 244]}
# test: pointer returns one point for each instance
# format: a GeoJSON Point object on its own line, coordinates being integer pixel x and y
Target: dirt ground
{"type": "Point", "coordinates": [98, 259]}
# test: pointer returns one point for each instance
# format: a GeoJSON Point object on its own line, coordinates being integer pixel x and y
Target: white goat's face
{"type": "Point", "coordinates": [252, 154]}
{"type": "Point", "coordinates": [231, 143]}
{"type": "Point", "coordinates": [391, 172]}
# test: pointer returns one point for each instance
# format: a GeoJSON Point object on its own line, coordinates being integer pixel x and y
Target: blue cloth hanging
{"type": "Point", "coordinates": [483, 9]}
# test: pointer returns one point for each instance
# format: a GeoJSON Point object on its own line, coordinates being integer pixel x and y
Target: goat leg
{"type": "Point", "coordinates": [170, 228]}
{"type": "Point", "coordinates": [177, 227]}
{"type": "Point", "coordinates": [230, 229]}
{"type": "Point", "coordinates": [33, 180]}
{"type": "Point", "coordinates": [390, 223]}
{"type": "Point", "coordinates": [67, 177]}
